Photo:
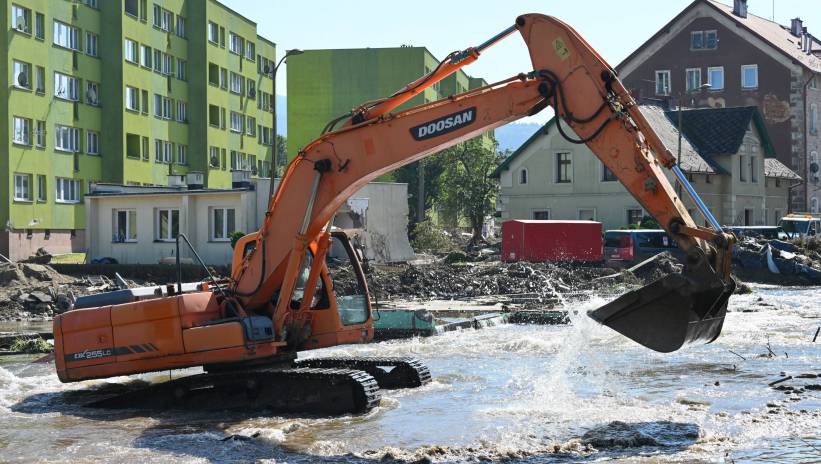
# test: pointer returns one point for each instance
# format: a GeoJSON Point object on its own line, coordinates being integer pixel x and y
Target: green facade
{"type": "Point", "coordinates": [325, 84]}
{"type": "Point", "coordinates": [126, 140]}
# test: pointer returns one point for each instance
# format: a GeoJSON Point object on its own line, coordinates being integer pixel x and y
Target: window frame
{"type": "Point", "coordinates": [27, 185]}
{"type": "Point", "coordinates": [236, 44]}
{"type": "Point", "coordinates": [713, 86]}
{"type": "Point", "coordinates": [537, 214]}
{"type": "Point", "coordinates": [72, 92]}
{"type": "Point", "coordinates": [237, 117]}
{"type": "Point", "coordinates": [212, 27]}
{"type": "Point", "coordinates": [604, 177]}
{"type": "Point", "coordinates": [744, 68]}
{"type": "Point", "coordinates": [134, 56]}
{"type": "Point", "coordinates": [693, 35]}
{"type": "Point", "coordinates": [524, 175]}
{"type": "Point", "coordinates": [73, 138]}
{"type": "Point", "coordinates": [158, 222]}
{"type": "Point", "coordinates": [182, 111]}
{"type": "Point", "coordinates": [179, 30]}
{"type": "Point", "coordinates": [226, 232]}
{"type": "Point", "coordinates": [18, 66]}
{"type": "Point", "coordinates": [565, 165]}
{"type": "Point", "coordinates": [96, 87]}
{"type": "Point", "coordinates": [25, 131]}
{"type": "Point", "coordinates": [628, 212]}
{"type": "Point", "coordinates": [60, 191]}
{"type": "Point", "coordinates": [707, 33]}
{"type": "Point", "coordinates": [130, 228]}
{"type": "Point", "coordinates": [90, 134]}
{"type": "Point", "coordinates": [663, 72]}
{"type": "Point", "coordinates": [134, 101]}
{"type": "Point", "coordinates": [687, 82]}
{"type": "Point", "coordinates": [92, 37]}
{"type": "Point", "coordinates": [74, 32]}
{"type": "Point", "coordinates": [136, 13]}
{"type": "Point", "coordinates": [42, 190]}
{"type": "Point", "coordinates": [236, 83]}
{"type": "Point", "coordinates": [164, 21]}
{"type": "Point", "coordinates": [182, 154]}
{"type": "Point", "coordinates": [26, 14]}
{"type": "Point", "coordinates": [40, 134]}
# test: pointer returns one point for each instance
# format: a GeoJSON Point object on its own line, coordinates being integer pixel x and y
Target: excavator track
{"type": "Point", "coordinates": [301, 390]}
{"type": "Point", "coordinates": [390, 372]}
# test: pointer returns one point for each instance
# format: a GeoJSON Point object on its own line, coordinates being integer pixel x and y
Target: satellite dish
{"type": "Point", "coordinates": [23, 79]}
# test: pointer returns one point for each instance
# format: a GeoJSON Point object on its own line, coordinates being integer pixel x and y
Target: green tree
{"type": "Point", "coordinates": [282, 154]}
{"type": "Point", "coordinates": [467, 188]}
{"type": "Point", "coordinates": [434, 167]}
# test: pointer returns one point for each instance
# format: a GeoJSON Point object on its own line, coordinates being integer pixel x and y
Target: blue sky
{"type": "Point", "coordinates": [613, 27]}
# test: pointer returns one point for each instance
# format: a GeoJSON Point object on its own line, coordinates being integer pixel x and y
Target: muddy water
{"type": "Point", "coordinates": [526, 393]}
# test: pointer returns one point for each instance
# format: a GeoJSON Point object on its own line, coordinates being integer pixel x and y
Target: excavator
{"type": "Point", "coordinates": [245, 331]}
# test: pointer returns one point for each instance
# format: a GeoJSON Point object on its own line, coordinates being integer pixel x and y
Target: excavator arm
{"type": "Point", "coordinates": [588, 99]}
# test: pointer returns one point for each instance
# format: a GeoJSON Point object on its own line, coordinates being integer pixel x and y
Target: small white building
{"type": "Point", "coordinates": [139, 225]}
{"type": "Point", "coordinates": [726, 154]}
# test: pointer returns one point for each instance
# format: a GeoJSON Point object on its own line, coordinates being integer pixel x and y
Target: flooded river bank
{"type": "Point", "coordinates": [523, 393]}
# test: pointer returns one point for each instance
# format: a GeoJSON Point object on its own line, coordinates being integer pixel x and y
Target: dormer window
{"type": "Point", "coordinates": [703, 40]}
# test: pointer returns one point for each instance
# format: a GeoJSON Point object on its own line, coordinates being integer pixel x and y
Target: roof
{"type": "Point", "coordinates": [775, 168]}
{"type": "Point", "coordinates": [720, 131]}
{"type": "Point", "coordinates": [773, 33]}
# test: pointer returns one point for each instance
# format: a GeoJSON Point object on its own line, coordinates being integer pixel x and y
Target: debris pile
{"type": "Point", "coordinates": [778, 262]}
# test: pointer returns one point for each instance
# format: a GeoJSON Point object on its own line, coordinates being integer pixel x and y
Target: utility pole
{"type": "Point", "coordinates": [420, 192]}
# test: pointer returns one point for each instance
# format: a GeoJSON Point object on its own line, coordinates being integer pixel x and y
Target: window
{"type": "Point", "coordinates": [130, 51]}
{"type": "Point", "coordinates": [68, 190]}
{"type": "Point", "coordinates": [213, 157]}
{"type": "Point", "coordinates": [237, 83]}
{"type": "Point", "coordinates": [92, 93]}
{"type": "Point", "coordinates": [91, 3]}
{"type": "Point", "coordinates": [696, 40]}
{"type": "Point", "coordinates": [693, 78]}
{"type": "Point", "coordinates": [634, 216]}
{"type": "Point", "coordinates": [180, 26]}
{"type": "Point", "coordinates": [162, 107]}
{"type": "Point", "coordinates": [40, 26]}
{"type": "Point", "coordinates": [814, 118]}
{"type": "Point", "coordinates": [40, 79]}
{"type": "Point", "coordinates": [145, 151]}
{"type": "Point", "coordinates": [163, 151]}
{"type": "Point", "coordinates": [587, 214]}
{"type": "Point", "coordinates": [223, 78]}
{"type": "Point", "coordinates": [163, 18]}
{"type": "Point", "coordinates": [252, 89]}
{"type": "Point", "coordinates": [250, 50]}
{"type": "Point", "coordinates": [92, 143]}
{"type": "Point", "coordinates": [715, 77]}
{"type": "Point", "coordinates": [144, 106]}
{"type": "Point", "coordinates": [66, 138]}
{"type": "Point", "coordinates": [710, 40]}
{"type": "Point", "coordinates": [131, 7]}
{"type": "Point", "coordinates": [40, 134]}
{"type": "Point", "coordinates": [814, 83]}
{"type": "Point", "coordinates": [22, 187]}
{"type": "Point", "coordinates": [22, 131]}
{"type": "Point", "coordinates": [66, 87]}
{"type": "Point", "coordinates": [125, 225]}
{"type": "Point", "coordinates": [132, 145]}
{"type": "Point", "coordinates": [41, 188]}
{"type": "Point", "coordinates": [91, 44]}
{"type": "Point", "coordinates": [222, 223]}
{"type": "Point", "coordinates": [564, 172]}
{"type": "Point", "coordinates": [523, 176]}
{"type": "Point", "coordinates": [20, 19]}
{"type": "Point", "coordinates": [251, 126]}
{"type": "Point", "coordinates": [167, 62]}
{"type": "Point", "coordinates": [21, 75]}
{"type": "Point", "coordinates": [235, 44]}
{"type": "Point", "coordinates": [222, 37]}
{"type": "Point", "coordinates": [66, 36]}
{"type": "Point", "coordinates": [607, 175]}
{"type": "Point", "coordinates": [168, 224]}
{"type": "Point", "coordinates": [214, 115]}
{"type": "Point", "coordinates": [742, 168]}
{"type": "Point", "coordinates": [213, 74]}
{"type": "Point", "coordinates": [749, 76]}
{"type": "Point", "coordinates": [145, 56]}
{"type": "Point", "coordinates": [543, 215]}
{"type": "Point", "coordinates": [182, 111]}
{"type": "Point", "coordinates": [132, 99]}
{"type": "Point", "coordinates": [662, 82]}
{"type": "Point", "coordinates": [213, 32]}
{"type": "Point", "coordinates": [753, 169]}
{"type": "Point", "coordinates": [182, 69]}
{"type": "Point", "coordinates": [237, 120]}
{"type": "Point", "coordinates": [182, 154]}
{"type": "Point", "coordinates": [264, 66]}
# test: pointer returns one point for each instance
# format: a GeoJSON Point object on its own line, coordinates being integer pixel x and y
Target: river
{"type": "Point", "coordinates": [529, 394]}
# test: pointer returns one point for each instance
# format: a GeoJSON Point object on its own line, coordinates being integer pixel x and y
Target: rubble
{"type": "Point", "coordinates": [778, 262]}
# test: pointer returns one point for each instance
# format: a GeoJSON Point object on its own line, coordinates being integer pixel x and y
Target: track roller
{"type": "Point", "coordinates": [390, 372]}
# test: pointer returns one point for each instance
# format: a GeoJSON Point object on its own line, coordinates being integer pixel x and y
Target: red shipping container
{"type": "Point", "coordinates": [540, 241]}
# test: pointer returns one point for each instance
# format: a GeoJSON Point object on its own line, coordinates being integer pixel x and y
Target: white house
{"type": "Point", "coordinates": [139, 225]}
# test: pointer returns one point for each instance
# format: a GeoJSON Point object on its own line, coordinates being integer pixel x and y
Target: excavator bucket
{"type": "Point", "coordinates": [674, 311]}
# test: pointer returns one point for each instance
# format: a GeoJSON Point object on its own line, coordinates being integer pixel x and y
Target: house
{"type": "Point", "coordinates": [726, 153]}
{"type": "Point", "coordinates": [139, 225]}
{"type": "Point", "coordinates": [748, 61]}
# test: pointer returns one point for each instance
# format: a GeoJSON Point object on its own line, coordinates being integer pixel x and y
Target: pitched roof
{"type": "Point", "coordinates": [720, 131]}
{"type": "Point", "coordinates": [775, 168]}
{"type": "Point", "coordinates": [773, 33]}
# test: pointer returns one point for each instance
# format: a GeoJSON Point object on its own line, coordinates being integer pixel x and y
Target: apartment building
{"type": "Point", "coordinates": [747, 60]}
{"type": "Point", "coordinates": [126, 92]}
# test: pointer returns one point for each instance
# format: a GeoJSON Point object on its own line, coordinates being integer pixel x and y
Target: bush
{"type": "Point", "coordinates": [31, 345]}
{"type": "Point", "coordinates": [235, 236]}
{"type": "Point", "coordinates": [429, 238]}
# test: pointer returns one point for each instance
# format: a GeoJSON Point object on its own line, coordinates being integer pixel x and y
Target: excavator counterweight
{"type": "Point", "coordinates": [280, 298]}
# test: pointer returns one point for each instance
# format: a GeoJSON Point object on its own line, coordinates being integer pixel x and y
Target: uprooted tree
{"type": "Point", "coordinates": [467, 188]}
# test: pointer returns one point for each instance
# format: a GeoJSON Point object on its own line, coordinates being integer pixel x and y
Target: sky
{"type": "Point", "coordinates": [613, 27]}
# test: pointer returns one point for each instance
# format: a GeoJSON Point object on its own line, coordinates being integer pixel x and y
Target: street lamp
{"type": "Point", "coordinates": [678, 157]}
{"type": "Point", "coordinates": [273, 73]}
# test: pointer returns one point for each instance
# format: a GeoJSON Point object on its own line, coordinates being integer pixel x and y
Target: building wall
{"type": "Point", "coordinates": [109, 118]}
{"type": "Point", "coordinates": [726, 196]}
{"type": "Point", "coordinates": [779, 94]}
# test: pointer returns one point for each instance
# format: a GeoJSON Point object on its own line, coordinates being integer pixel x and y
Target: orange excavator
{"type": "Point", "coordinates": [280, 299]}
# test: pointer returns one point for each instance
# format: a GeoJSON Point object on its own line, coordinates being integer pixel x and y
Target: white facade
{"type": "Point", "coordinates": [137, 225]}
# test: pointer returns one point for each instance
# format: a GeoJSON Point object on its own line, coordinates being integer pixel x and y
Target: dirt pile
{"type": "Point", "coordinates": [778, 262]}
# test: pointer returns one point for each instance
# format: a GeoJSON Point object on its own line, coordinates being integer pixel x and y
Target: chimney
{"type": "Point", "coordinates": [804, 39]}
{"type": "Point", "coordinates": [796, 27]}
{"type": "Point", "coordinates": [740, 8]}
